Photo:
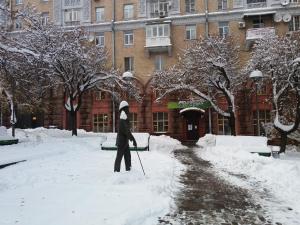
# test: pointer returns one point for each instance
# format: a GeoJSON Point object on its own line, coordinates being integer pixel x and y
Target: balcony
{"type": "Point", "coordinates": [158, 38]}
{"type": "Point", "coordinates": [256, 5]}
{"type": "Point", "coordinates": [258, 33]}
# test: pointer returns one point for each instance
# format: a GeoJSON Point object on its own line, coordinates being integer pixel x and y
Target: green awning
{"type": "Point", "coordinates": [183, 105]}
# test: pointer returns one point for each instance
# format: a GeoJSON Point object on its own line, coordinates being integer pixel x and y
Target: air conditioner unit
{"type": "Point", "coordinates": [285, 2]}
{"type": "Point", "coordinates": [242, 25]}
{"type": "Point", "coordinates": [162, 13]}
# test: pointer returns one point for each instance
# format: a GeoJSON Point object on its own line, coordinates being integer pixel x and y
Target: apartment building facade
{"type": "Point", "coordinates": [143, 36]}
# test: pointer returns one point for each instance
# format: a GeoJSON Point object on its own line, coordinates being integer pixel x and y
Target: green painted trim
{"type": "Point", "coordinates": [266, 154]}
{"type": "Point", "coordinates": [9, 142]}
{"type": "Point", "coordinates": [131, 148]}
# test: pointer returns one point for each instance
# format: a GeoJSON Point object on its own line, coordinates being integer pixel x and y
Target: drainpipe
{"type": "Point", "coordinates": [206, 18]}
{"type": "Point", "coordinates": [113, 34]}
{"type": "Point", "coordinates": [206, 35]}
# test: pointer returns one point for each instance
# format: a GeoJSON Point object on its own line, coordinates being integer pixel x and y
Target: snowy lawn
{"type": "Point", "coordinates": [278, 177]}
{"type": "Point", "coordinates": [69, 180]}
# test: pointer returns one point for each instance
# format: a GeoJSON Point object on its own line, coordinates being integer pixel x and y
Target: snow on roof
{"type": "Point", "coordinates": [191, 109]}
{"type": "Point", "coordinates": [259, 13]}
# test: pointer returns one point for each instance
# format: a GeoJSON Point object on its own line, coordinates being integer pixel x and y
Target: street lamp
{"type": "Point", "coordinates": [256, 75]}
{"type": "Point", "coordinates": [126, 76]}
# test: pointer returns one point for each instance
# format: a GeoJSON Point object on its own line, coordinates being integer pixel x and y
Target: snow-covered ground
{"type": "Point", "coordinates": [69, 180]}
{"type": "Point", "coordinates": [277, 181]}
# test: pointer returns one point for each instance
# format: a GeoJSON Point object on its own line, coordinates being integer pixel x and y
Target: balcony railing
{"type": "Point", "coordinates": [158, 38]}
{"type": "Point", "coordinates": [158, 42]}
{"type": "Point", "coordinates": [257, 5]}
{"type": "Point", "coordinates": [257, 33]}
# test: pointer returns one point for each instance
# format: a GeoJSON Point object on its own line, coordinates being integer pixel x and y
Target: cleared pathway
{"type": "Point", "coordinates": [208, 199]}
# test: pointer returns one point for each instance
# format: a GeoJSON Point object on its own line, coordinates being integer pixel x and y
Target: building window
{"type": "Point", "coordinates": [264, 117]}
{"type": "Point", "coordinates": [159, 63]}
{"type": "Point", "coordinates": [238, 3]}
{"type": "Point", "coordinates": [99, 95]}
{"type": "Point", "coordinates": [258, 23]}
{"type": "Point", "coordinates": [262, 90]}
{"type": "Point", "coordinates": [222, 4]}
{"type": "Point", "coordinates": [161, 30]}
{"type": "Point", "coordinates": [160, 122]}
{"type": "Point", "coordinates": [294, 24]}
{"type": "Point", "coordinates": [18, 24]}
{"type": "Point", "coordinates": [45, 18]}
{"type": "Point", "coordinates": [190, 32]}
{"type": "Point", "coordinates": [72, 15]}
{"type": "Point", "coordinates": [223, 125]}
{"type": "Point", "coordinates": [100, 39]}
{"type": "Point", "coordinates": [128, 12]}
{"type": "Point", "coordinates": [159, 8]}
{"type": "Point", "coordinates": [100, 14]}
{"type": "Point", "coordinates": [256, 3]}
{"type": "Point", "coordinates": [128, 62]}
{"type": "Point", "coordinates": [133, 122]}
{"type": "Point", "coordinates": [190, 6]}
{"type": "Point", "coordinates": [19, 2]}
{"type": "Point", "coordinates": [128, 37]}
{"type": "Point", "coordinates": [100, 123]}
{"type": "Point", "coordinates": [223, 29]}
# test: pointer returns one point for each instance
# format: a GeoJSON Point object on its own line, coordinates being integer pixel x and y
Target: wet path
{"type": "Point", "coordinates": [208, 199]}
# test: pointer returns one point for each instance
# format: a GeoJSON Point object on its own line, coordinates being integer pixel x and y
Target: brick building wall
{"type": "Point", "coordinates": [207, 17]}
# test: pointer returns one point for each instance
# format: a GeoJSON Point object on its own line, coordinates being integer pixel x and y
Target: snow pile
{"type": "Point", "coordinates": [69, 180]}
{"type": "Point", "coordinates": [279, 176]}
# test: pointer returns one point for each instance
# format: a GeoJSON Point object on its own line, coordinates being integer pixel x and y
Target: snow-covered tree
{"type": "Point", "coordinates": [67, 57]}
{"type": "Point", "coordinates": [278, 59]}
{"type": "Point", "coordinates": [208, 68]}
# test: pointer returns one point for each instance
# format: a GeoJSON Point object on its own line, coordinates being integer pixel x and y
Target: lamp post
{"type": "Point", "coordinates": [126, 76]}
{"type": "Point", "coordinates": [256, 75]}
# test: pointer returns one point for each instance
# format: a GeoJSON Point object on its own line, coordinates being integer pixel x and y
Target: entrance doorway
{"type": "Point", "coordinates": [192, 117]}
{"type": "Point", "coordinates": [192, 125]}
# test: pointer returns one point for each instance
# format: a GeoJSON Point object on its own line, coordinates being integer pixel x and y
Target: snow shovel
{"type": "Point", "coordinates": [140, 160]}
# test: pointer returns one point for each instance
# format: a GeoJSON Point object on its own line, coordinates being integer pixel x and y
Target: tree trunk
{"type": "Point", "coordinates": [232, 124]}
{"type": "Point", "coordinates": [73, 120]}
{"type": "Point", "coordinates": [283, 142]}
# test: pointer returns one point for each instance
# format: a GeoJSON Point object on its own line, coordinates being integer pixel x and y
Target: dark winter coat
{"type": "Point", "coordinates": [124, 133]}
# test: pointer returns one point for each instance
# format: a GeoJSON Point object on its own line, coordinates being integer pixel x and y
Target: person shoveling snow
{"type": "Point", "coordinates": [123, 137]}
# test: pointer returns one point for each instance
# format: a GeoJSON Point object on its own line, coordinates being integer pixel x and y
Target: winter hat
{"type": "Point", "coordinates": [123, 104]}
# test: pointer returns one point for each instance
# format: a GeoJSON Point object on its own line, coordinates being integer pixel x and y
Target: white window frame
{"type": "Point", "coordinates": [128, 11]}
{"type": "Point", "coordinates": [130, 63]}
{"type": "Point", "coordinates": [190, 32]}
{"type": "Point", "coordinates": [190, 6]}
{"type": "Point", "coordinates": [223, 29]}
{"type": "Point", "coordinates": [100, 122]}
{"type": "Point", "coordinates": [294, 24]}
{"type": "Point", "coordinates": [160, 30]}
{"type": "Point", "coordinates": [223, 125]}
{"type": "Point", "coordinates": [45, 18]}
{"type": "Point", "coordinates": [19, 2]}
{"type": "Point", "coordinates": [222, 4]}
{"type": "Point", "coordinates": [100, 39]}
{"type": "Point", "coordinates": [159, 63]}
{"type": "Point", "coordinates": [100, 14]}
{"type": "Point", "coordinates": [157, 123]}
{"type": "Point", "coordinates": [133, 119]}
{"type": "Point", "coordinates": [72, 15]}
{"type": "Point", "coordinates": [264, 117]}
{"type": "Point", "coordinates": [99, 95]}
{"type": "Point", "coordinates": [18, 24]}
{"type": "Point", "coordinates": [128, 37]}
